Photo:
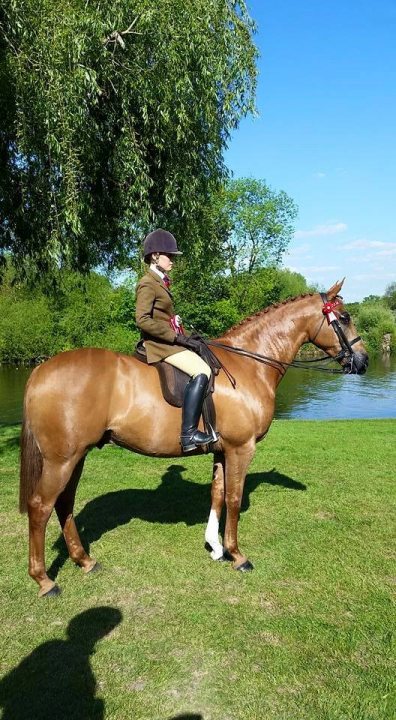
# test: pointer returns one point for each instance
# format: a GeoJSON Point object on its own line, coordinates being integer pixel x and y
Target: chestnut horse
{"type": "Point", "coordinates": [82, 398]}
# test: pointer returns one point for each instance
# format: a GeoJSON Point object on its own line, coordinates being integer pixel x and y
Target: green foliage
{"type": "Point", "coordinates": [390, 296]}
{"type": "Point", "coordinates": [372, 299]}
{"type": "Point", "coordinates": [86, 311]}
{"type": "Point", "coordinates": [251, 292]}
{"type": "Point", "coordinates": [260, 223]}
{"type": "Point", "coordinates": [353, 309]}
{"type": "Point", "coordinates": [231, 267]}
{"type": "Point", "coordinates": [26, 329]}
{"type": "Point", "coordinates": [114, 118]}
{"type": "Point", "coordinates": [373, 321]}
{"type": "Point", "coordinates": [290, 284]}
{"type": "Point", "coordinates": [213, 303]}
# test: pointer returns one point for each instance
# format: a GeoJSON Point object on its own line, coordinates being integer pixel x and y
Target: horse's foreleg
{"type": "Point", "coordinates": [64, 509]}
{"type": "Point", "coordinates": [237, 463]}
{"type": "Point", "coordinates": [53, 479]}
{"type": "Point", "coordinates": [212, 528]}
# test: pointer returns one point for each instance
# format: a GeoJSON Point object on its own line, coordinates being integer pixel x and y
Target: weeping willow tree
{"type": "Point", "coordinates": [114, 118]}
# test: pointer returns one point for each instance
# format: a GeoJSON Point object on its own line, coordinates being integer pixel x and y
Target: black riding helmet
{"type": "Point", "coordinates": [160, 241]}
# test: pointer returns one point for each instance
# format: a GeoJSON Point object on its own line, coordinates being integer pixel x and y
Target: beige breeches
{"type": "Point", "coordinates": [189, 362]}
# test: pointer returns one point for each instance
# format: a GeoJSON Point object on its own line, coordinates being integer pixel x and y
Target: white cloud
{"type": "Point", "coordinates": [378, 248]}
{"type": "Point", "coordinates": [319, 175]}
{"type": "Point", "coordinates": [320, 230]}
{"type": "Point", "coordinates": [382, 253]}
{"type": "Point", "coordinates": [373, 276]}
{"type": "Point", "coordinates": [370, 244]}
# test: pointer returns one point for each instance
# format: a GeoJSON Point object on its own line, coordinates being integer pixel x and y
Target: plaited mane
{"type": "Point", "coordinates": [266, 310]}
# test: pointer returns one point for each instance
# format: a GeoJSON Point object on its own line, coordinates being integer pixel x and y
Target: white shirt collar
{"type": "Point", "coordinates": [154, 269]}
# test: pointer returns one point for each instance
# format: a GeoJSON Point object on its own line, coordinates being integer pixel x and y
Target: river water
{"type": "Point", "coordinates": [305, 394]}
{"type": "Point", "coordinates": [311, 395]}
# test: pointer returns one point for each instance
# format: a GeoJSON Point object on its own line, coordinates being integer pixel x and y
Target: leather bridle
{"type": "Point", "coordinates": [333, 318]}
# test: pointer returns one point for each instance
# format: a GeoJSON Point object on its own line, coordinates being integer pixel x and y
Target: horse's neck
{"type": "Point", "coordinates": [277, 333]}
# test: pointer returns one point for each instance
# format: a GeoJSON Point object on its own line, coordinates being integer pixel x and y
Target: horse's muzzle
{"type": "Point", "coordinates": [356, 364]}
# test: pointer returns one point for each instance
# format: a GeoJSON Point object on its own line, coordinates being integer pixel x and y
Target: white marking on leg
{"type": "Point", "coordinates": [212, 536]}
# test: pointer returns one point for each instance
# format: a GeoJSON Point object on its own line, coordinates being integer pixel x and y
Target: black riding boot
{"type": "Point", "coordinates": [194, 395]}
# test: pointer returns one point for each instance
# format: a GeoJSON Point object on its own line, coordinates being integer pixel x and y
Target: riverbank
{"type": "Point", "coordinates": [308, 634]}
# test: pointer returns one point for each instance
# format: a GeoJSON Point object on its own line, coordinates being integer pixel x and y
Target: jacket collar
{"type": "Point", "coordinates": [159, 279]}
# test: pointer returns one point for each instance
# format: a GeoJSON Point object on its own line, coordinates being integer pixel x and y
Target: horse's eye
{"type": "Point", "coordinates": [345, 318]}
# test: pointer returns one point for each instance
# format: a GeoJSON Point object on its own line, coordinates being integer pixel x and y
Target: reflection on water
{"type": "Point", "coordinates": [303, 394]}
{"type": "Point", "coordinates": [312, 395]}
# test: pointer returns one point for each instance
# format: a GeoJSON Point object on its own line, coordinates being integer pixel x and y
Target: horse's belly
{"type": "Point", "coordinates": [154, 431]}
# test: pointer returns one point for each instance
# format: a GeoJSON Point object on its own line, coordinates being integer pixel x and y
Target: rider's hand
{"type": "Point", "coordinates": [196, 336]}
{"type": "Point", "coordinates": [187, 342]}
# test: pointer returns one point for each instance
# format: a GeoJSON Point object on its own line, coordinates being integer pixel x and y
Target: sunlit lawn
{"type": "Point", "coordinates": [308, 635]}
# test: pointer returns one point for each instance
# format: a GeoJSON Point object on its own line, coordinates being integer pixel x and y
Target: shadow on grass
{"type": "Point", "coordinates": [55, 682]}
{"type": "Point", "coordinates": [187, 716]}
{"type": "Point", "coordinates": [175, 500]}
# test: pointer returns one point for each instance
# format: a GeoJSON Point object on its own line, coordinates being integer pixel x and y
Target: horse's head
{"type": "Point", "coordinates": [334, 332]}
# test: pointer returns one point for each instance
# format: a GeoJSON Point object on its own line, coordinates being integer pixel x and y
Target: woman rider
{"type": "Point", "coordinates": [164, 339]}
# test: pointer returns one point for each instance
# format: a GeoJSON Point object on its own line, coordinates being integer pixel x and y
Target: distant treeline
{"type": "Point", "coordinates": [90, 311]}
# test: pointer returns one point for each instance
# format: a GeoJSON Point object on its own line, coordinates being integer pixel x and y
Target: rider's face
{"type": "Point", "coordinates": [165, 261]}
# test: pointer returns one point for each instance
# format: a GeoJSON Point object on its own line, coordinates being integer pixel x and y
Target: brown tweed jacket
{"type": "Point", "coordinates": [154, 308]}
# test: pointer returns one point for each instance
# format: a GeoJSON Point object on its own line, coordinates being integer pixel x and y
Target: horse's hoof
{"type": "Point", "coordinates": [245, 567]}
{"type": "Point", "coordinates": [54, 592]}
{"type": "Point", "coordinates": [94, 569]}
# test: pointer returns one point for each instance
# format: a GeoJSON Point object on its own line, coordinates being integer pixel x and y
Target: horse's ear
{"type": "Point", "coordinates": [335, 289]}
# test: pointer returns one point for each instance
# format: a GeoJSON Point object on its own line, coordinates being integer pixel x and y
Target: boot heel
{"type": "Point", "coordinates": [188, 448]}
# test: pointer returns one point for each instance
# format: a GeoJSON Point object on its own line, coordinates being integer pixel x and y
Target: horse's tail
{"type": "Point", "coordinates": [31, 465]}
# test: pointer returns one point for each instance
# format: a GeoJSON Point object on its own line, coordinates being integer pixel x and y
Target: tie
{"type": "Point", "coordinates": [167, 280]}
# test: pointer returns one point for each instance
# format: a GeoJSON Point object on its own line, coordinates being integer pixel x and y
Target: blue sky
{"type": "Point", "coordinates": [326, 134]}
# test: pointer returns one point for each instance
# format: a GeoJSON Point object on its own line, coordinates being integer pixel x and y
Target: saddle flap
{"type": "Point", "coordinates": [173, 383]}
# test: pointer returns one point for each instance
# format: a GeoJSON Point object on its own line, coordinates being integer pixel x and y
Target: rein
{"type": "Point", "coordinates": [281, 366]}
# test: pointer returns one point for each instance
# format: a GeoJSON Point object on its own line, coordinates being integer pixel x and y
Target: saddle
{"type": "Point", "coordinates": [173, 383]}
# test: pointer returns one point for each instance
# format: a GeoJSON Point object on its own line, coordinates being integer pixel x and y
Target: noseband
{"type": "Point", "coordinates": [333, 317]}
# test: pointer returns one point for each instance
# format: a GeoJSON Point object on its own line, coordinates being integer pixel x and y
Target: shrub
{"type": "Point", "coordinates": [372, 322]}
{"type": "Point", "coordinates": [115, 337]}
{"type": "Point", "coordinates": [26, 329]}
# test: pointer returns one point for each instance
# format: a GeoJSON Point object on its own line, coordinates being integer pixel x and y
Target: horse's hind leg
{"type": "Point", "coordinates": [53, 479]}
{"type": "Point", "coordinates": [64, 509]}
{"type": "Point", "coordinates": [212, 528]}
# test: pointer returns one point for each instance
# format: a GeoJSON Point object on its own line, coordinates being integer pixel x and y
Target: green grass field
{"type": "Point", "coordinates": [169, 633]}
